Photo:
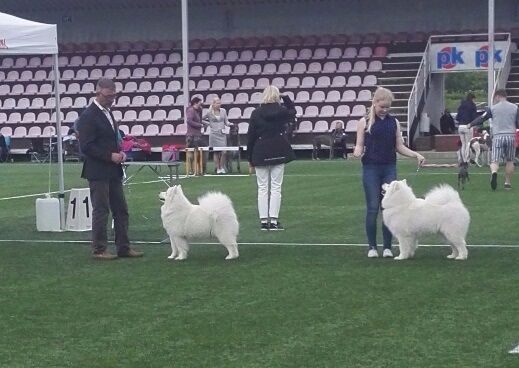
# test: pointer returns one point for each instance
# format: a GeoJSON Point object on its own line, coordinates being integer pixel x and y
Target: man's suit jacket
{"type": "Point", "coordinates": [98, 141]}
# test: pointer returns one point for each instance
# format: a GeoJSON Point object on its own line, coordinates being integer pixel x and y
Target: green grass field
{"type": "Point", "coordinates": [305, 297]}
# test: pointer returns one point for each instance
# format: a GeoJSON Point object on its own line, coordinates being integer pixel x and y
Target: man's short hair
{"type": "Point", "coordinates": [501, 93]}
{"type": "Point", "coordinates": [195, 100]}
{"type": "Point", "coordinates": [105, 83]}
{"type": "Point", "coordinates": [471, 96]}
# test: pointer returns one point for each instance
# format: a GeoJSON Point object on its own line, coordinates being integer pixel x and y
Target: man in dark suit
{"type": "Point", "coordinates": [100, 145]}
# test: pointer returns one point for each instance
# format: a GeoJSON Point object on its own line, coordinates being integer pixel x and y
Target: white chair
{"type": "Point", "coordinates": [327, 111]}
{"type": "Point", "coordinates": [351, 126]}
{"type": "Point", "coordinates": [370, 80]}
{"type": "Point", "coordinates": [299, 68]}
{"type": "Point", "coordinates": [159, 115]}
{"type": "Point", "coordinates": [144, 116]}
{"type": "Point", "coordinates": [305, 127]}
{"type": "Point", "coordinates": [354, 81]}
{"type": "Point", "coordinates": [302, 97]}
{"type": "Point", "coordinates": [360, 66]}
{"type": "Point", "coordinates": [318, 97]}
{"type": "Point", "coordinates": [358, 111]}
{"type": "Point", "coordinates": [167, 130]}
{"type": "Point", "coordinates": [364, 95]}
{"type": "Point", "coordinates": [323, 82]}
{"type": "Point", "coordinates": [311, 112]}
{"type": "Point", "coordinates": [255, 69]}
{"type": "Point", "coordinates": [333, 96]}
{"type": "Point", "coordinates": [137, 130]}
{"type": "Point", "coordinates": [180, 129]}
{"type": "Point", "coordinates": [321, 126]}
{"type": "Point", "coordinates": [342, 111]}
{"type": "Point", "coordinates": [349, 95]}
{"type": "Point", "coordinates": [167, 72]}
{"type": "Point", "coordinates": [218, 85]}
{"type": "Point", "coordinates": [308, 82]}
{"type": "Point", "coordinates": [152, 130]}
{"type": "Point", "coordinates": [19, 132]}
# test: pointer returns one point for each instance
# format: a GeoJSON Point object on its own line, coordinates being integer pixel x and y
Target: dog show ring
{"type": "Point", "coordinates": [154, 166]}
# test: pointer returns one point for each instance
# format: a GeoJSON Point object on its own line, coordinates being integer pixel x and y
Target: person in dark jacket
{"type": "Point", "coordinates": [100, 145]}
{"type": "Point", "coordinates": [3, 148]}
{"type": "Point", "coordinates": [268, 151]}
{"type": "Point", "coordinates": [194, 130]}
{"type": "Point", "coordinates": [467, 112]}
{"type": "Point", "coordinates": [338, 139]}
{"type": "Point", "coordinates": [447, 125]}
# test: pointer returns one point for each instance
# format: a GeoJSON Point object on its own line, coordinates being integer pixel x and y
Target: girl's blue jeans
{"type": "Point", "coordinates": [373, 176]}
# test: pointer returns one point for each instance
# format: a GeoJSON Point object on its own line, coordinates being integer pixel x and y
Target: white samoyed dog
{"type": "Point", "coordinates": [183, 221]}
{"type": "Point", "coordinates": [441, 211]}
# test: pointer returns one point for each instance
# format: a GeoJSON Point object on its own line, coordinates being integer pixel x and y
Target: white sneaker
{"type": "Point", "coordinates": [372, 253]}
{"type": "Point", "coordinates": [387, 253]}
{"type": "Point", "coordinates": [222, 171]}
{"type": "Point", "coordinates": [218, 171]}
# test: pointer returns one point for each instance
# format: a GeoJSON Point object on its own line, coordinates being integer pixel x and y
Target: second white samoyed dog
{"type": "Point", "coordinates": [441, 211]}
{"type": "Point", "coordinates": [183, 221]}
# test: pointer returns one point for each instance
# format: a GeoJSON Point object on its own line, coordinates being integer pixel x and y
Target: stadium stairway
{"type": "Point", "coordinates": [512, 86]}
{"type": "Point", "coordinates": [398, 74]}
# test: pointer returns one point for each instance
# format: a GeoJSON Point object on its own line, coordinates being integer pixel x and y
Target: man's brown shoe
{"type": "Point", "coordinates": [131, 254]}
{"type": "Point", "coordinates": [107, 256]}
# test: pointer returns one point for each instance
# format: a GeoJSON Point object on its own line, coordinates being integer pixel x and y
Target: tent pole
{"type": "Point", "coordinates": [490, 76]}
{"type": "Point", "coordinates": [185, 60]}
{"type": "Point", "coordinates": [61, 194]}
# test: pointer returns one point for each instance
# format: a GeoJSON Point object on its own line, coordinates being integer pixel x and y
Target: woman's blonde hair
{"type": "Point", "coordinates": [211, 107]}
{"type": "Point", "coordinates": [381, 94]}
{"type": "Point", "coordinates": [270, 95]}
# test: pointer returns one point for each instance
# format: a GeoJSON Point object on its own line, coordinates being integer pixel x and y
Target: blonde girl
{"type": "Point", "coordinates": [378, 140]}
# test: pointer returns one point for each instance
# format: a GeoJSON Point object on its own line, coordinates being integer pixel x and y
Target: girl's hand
{"type": "Point", "coordinates": [358, 151]}
{"type": "Point", "coordinates": [420, 158]}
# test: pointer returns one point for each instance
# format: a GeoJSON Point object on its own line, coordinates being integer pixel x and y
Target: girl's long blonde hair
{"type": "Point", "coordinates": [381, 94]}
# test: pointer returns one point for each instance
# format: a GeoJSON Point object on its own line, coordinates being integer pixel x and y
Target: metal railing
{"type": "Point", "coordinates": [418, 89]}
{"type": "Point", "coordinates": [502, 74]}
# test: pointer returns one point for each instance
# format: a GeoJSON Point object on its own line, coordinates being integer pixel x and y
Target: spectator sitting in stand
{"type": "Point", "coordinates": [338, 139]}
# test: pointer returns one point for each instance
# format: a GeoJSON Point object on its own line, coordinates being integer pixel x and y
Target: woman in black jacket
{"type": "Point", "coordinates": [268, 150]}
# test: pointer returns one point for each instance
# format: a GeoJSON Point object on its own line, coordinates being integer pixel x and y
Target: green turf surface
{"type": "Point", "coordinates": [295, 305]}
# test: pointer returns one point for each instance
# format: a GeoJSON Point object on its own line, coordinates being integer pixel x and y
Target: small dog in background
{"type": "Point", "coordinates": [463, 174]}
{"type": "Point", "coordinates": [317, 142]}
{"type": "Point", "coordinates": [479, 147]}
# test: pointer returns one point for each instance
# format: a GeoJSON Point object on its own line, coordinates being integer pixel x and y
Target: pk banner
{"type": "Point", "coordinates": [464, 56]}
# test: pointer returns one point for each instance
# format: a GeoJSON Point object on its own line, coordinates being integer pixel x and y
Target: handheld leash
{"type": "Point", "coordinates": [413, 175]}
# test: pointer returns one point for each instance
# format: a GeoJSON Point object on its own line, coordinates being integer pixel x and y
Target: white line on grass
{"type": "Point", "coordinates": [258, 243]}
{"type": "Point", "coordinates": [514, 350]}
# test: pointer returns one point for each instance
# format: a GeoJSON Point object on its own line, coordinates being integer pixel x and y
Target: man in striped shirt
{"type": "Point", "coordinates": [505, 121]}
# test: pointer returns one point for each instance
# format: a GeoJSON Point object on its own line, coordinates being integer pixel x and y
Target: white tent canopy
{"type": "Point", "coordinates": [22, 36]}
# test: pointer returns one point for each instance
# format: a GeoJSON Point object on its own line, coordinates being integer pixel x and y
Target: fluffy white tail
{"type": "Point", "coordinates": [216, 204]}
{"type": "Point", "coordinates": [442, 195]}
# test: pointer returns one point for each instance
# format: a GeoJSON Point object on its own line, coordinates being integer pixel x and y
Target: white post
{"type": "Point", "coordinates": [491, 80]}
{"type": "Point", "coordinates": [185, 60]}
{"type": "Point", "coordinates": [59, 142]}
